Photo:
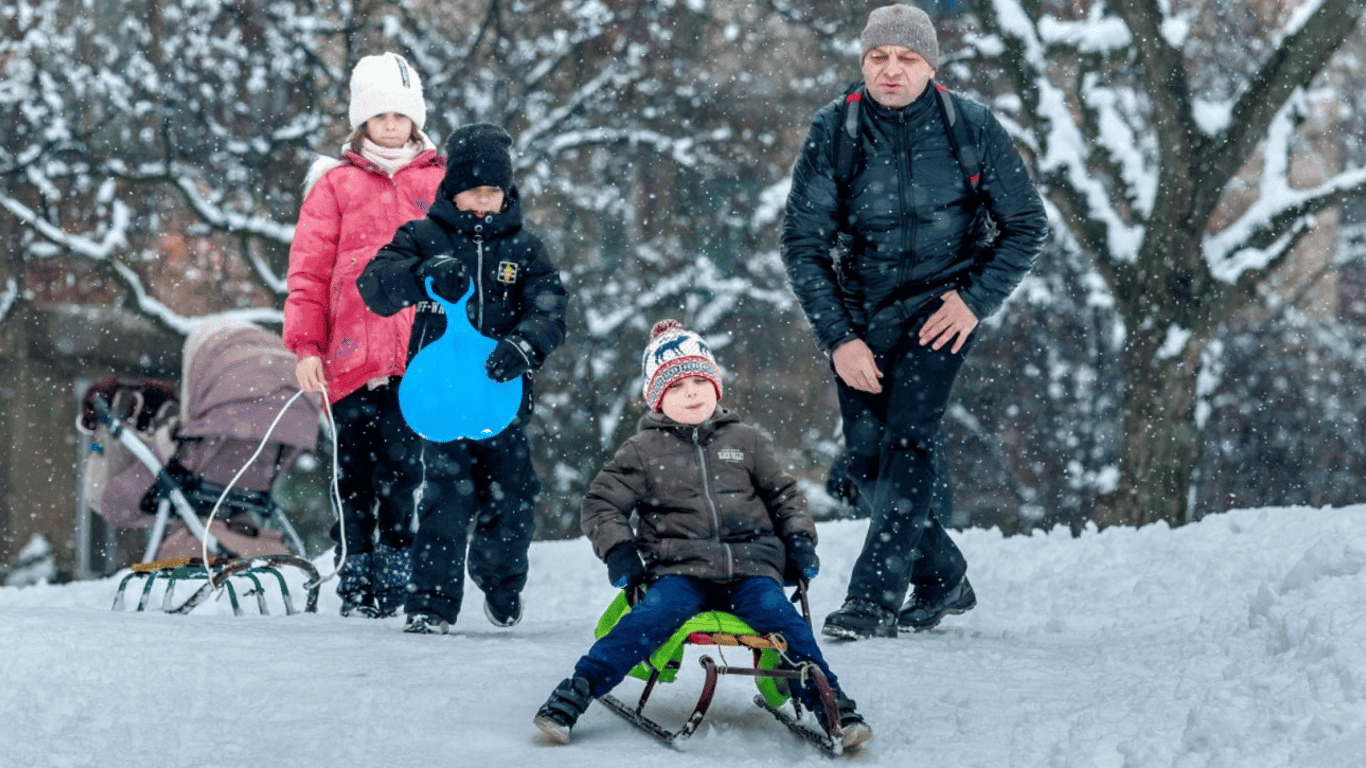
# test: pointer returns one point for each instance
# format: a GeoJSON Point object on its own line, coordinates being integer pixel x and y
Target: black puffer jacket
{"type": "Point", "coordinates": [519, 289]}
{"type": "Point", "coordinates": [713, 501]}
{"type": "Point", "coordinates": [918, 230]}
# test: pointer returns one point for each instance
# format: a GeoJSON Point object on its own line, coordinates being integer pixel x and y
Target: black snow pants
{"type": "Point", "coordinates": [377, 502]}
{"type": "Point", "coordinates": [892, 440]}
{"type": "Point", "coordinates": [476, 505]}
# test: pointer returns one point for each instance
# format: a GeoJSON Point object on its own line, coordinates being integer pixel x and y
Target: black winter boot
{"type": "Point", "coordinates": [853, 730]}
{"type": "Point", "coordinates": [503, 609]}
{"type": "Point", "coordinates": [860, 618]}
{"type": "Point", "coordinates": [355, 587]}
{"type": "Point", "coordinates": [391, 570]}
{"type": "Point", "coordinates": [557, 716]}
{"type": "Point", "coordinates": [426, 624]}
{"type": "Point", "coordinates": [926, 608]}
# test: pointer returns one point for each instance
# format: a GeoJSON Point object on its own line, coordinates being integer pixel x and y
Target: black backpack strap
{"type": "Point", "coordinates": [846, 138]}
{"type": "Point", "coordinates": [965, 150]}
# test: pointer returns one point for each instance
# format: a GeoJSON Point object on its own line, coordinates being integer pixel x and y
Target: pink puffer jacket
{"type": "Point", "coordinates": [347, 215]}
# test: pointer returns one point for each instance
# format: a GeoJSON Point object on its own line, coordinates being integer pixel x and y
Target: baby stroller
{"type": "Point", "coordinates": [197, 469]}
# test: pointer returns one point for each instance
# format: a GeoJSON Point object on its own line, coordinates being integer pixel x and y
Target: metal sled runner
{"type": "Point", "coordinates": [193, 570]}
{"type": "Point", "coordinates": [770, 668]}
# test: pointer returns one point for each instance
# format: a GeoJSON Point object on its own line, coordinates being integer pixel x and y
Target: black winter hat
{"type": "Point", "coordinates": [477, 155]}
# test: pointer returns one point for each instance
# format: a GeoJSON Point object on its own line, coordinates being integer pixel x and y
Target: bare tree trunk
{"type": "Point", "coordinates": [1161, 439]}
{"type": "Point", "coordinates": [1168, 300]}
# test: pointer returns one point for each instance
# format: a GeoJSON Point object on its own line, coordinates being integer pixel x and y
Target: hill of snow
{"type": "Point", "coordinates": [1238, 641]}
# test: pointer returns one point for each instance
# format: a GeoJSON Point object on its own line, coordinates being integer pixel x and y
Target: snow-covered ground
{"type": "Point", "coordinates": [1238, 642]}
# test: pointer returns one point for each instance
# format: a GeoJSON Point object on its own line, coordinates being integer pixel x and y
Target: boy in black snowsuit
{"type": "Point", "coordinates": [473, 232]}
{"type": "Point", "coordinates": [720, 527]}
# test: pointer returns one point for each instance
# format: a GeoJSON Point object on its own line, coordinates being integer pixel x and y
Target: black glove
{"type": "Point", "coordinates": [802, 562]}
{"type": "Point", "coordinates": [840, 483]}
{"type": "Point", "coordinates": [512, 357]}
{"type": "Point", "coordinates": [624, 566]}
{"type": "Point", "coordinates": [449, 280]}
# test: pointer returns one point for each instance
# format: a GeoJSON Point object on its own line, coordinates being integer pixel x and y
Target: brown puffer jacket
{"type": "Point", "coordinates": [712, 500]}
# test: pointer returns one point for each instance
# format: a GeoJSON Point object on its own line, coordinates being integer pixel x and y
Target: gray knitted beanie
{"type": "Point", "coordinates": [903, 25]}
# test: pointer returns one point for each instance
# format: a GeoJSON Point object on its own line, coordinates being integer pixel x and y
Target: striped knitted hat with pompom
{"type": "Point", "coordinates": [675, 353]}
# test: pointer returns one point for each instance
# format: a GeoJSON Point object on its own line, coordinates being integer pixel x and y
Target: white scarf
{"type": "Point", "coordinates": [391, 160]}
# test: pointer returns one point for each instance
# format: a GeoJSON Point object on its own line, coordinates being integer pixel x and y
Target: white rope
{"type": "Point", "coordinates": [336, 492]}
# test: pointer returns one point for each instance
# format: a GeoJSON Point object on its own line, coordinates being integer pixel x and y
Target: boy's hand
{"type": "Point", "coordinates": [449, 280]}
{"type": "Point", "coordinates": [624, 567]}
{"type": "Point", "coordinates": [511, 358]}
{"type": "Point", "coordinates": [802, 562]}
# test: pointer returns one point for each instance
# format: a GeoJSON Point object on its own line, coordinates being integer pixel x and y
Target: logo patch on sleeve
{"type": "Point", "coordinates": [507, 272]}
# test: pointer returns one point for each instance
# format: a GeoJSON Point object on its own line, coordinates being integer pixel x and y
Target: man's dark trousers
{"type": "Point", "coordinates": [893, 441]}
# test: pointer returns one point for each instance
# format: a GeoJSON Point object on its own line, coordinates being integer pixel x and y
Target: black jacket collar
{"type": "Point", "coordinates": [501, 224]}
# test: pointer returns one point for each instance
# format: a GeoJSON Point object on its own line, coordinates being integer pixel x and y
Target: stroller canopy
{"type": "Point", "coordinates": [235, 379]}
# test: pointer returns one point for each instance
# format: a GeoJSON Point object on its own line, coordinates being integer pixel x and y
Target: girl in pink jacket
{"type": "Point", "coordinates": [386, 176]}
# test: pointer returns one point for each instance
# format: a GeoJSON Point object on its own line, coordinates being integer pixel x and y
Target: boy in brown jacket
{"type": "Point", "coordinates": [720, 526]}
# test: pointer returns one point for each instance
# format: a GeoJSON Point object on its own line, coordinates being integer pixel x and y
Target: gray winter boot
{"type": "Point", "coordinates": [557, 716]}
{"type": "Point", "coordinates": [391, 569]}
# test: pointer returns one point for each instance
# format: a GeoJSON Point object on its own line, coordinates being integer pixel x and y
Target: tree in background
{"type": "Point", "coordinates": [155, 154]}
{"type": "Point", "coordinates": [1165, 140]}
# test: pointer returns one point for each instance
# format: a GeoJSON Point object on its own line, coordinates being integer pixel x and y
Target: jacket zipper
{"type": "Point", "coordinates": [711, 503]}
{"type": "Point", "coordinates": [903, 151]}
{"type": "Point", "coordinates": [479, 281]}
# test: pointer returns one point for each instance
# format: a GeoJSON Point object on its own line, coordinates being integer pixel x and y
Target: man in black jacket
{"type": "Point", "coordinates": [931, 246]}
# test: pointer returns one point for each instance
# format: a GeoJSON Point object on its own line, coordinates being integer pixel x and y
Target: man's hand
{"type": "Point", "coordinates": [951, 322]}
{"type": "Point", "coordinates": [309, 372]}
{"type": "Point", "coordinates": [855, 365]}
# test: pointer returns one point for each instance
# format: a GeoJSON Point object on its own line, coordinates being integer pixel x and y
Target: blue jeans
{"type": "Point", "coordinates": [673, 600]}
